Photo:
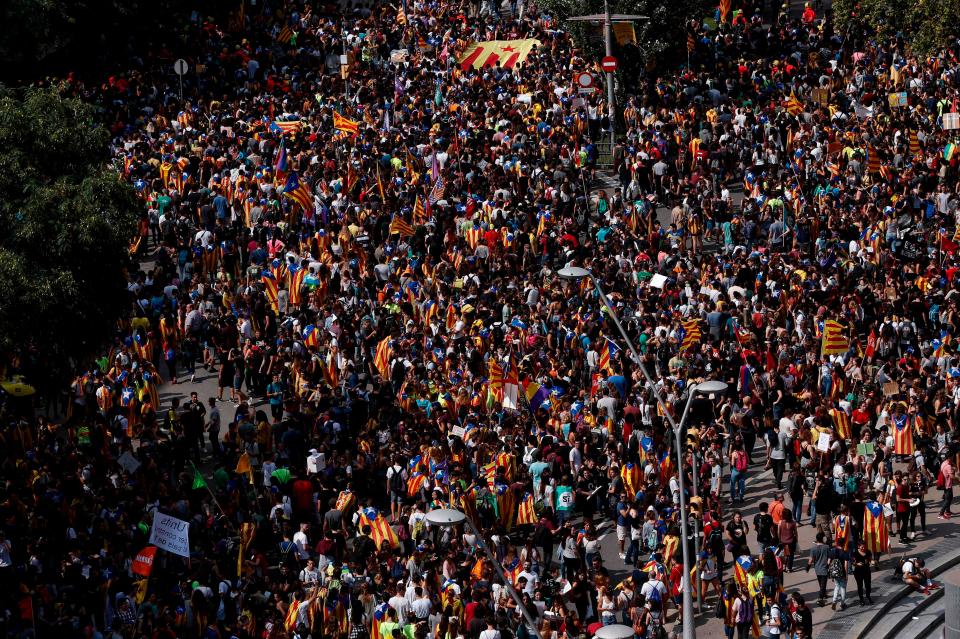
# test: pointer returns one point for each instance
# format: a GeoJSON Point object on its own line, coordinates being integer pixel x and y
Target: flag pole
{"type": "Point", "coordinates": [212, 496]}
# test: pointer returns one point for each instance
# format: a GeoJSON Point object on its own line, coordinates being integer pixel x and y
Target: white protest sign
{"type": "Point", "coordinates": [823, 443]}
{"type": "Point", "coordinates": [458, 431]}
{"type": "Point", "coordinates": [658, 280]}
{"type": "Point", "coordinates": [128, 462]}
{"type": "Point", "coordinates": [171, 534]}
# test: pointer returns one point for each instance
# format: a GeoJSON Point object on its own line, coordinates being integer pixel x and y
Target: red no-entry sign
{"type": "Point", "coordinates": [609, 64]}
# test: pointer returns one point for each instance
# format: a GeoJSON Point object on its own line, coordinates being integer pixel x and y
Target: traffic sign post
{"type": "Point", "coordinates": [180, 67]}
{"type": "Point", "coordinates": [608, 64]}
{"type": "Point", "coordinates": [585, 83]}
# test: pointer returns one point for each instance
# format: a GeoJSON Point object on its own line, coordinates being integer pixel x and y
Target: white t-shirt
{"type": "Point", "coordinates": [402, 606]}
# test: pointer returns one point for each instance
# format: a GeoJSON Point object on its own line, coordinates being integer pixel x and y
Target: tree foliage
{"type": "Point", "coordinates": [663, 33]}
{"type": "Point", "coordinates": [53, 37]}
{"type": "Point", "coordinates": [65, 226]}
{"type": "Point", "coordinates": [926, 26]}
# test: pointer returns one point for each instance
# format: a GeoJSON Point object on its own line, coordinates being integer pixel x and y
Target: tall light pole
{"type": "Point", "coordinates": [607, 20]}
{"type": "Point", "coordinates": [577, 273]}
{"type": "Point", "coordinates": [709, 387]}
{"type": "Point", "coordinates": [448, 518]}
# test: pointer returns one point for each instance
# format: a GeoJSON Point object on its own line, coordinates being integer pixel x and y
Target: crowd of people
{"type": "Point", "coordinates": [366, 256]}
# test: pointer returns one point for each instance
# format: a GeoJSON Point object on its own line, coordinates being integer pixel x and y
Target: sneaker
{"type": "Point", "coordinates": [193, 378]}
{"type": "Point", "coordinates": [940, 517]}
{"type": "Point", "coordinates": [870, 599]}
{"type": "Point", "coordinates": [623, 556]}
{"type": "Point", "coordinates": [843, 605]}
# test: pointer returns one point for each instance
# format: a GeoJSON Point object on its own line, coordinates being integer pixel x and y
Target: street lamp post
{"type": "Point", "coordinates": [577, 273]}
{"type": "Point", "coordinates": [448, 518]}
{"type": "Point", "coordinates": [708, 387]}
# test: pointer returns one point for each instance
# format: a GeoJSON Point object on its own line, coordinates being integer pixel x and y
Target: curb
{"type": "Point", "coordinates": [863, 629]}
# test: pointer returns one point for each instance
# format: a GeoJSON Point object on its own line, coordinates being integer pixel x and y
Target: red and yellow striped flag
{"type": "Point", "coordinates": [834, 342]}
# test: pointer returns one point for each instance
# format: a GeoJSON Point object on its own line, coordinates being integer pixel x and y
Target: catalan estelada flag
{"type": "Point", "coordinates": [793, 105]}
{"type": "Point", "coordinates": [691, 334]}
{"type": "Point", "coordinates": [506, 505]}
{"type": "Point", "coordinates": [270, 288]}
{"type": "Point", "coordinates": [902, 435]}
{"type": "Point", "coordinates": [526, 513]}
{"type": "Point", "coordinates": [875, 528]}
{"type": "Point", "coordinates": [287, 126]}
{"type": "Point", "coordinates": [298, 192]}
{"type": "Point", "coordinates": [834, 342]}
{"type": "Point", "coordinates": [381, 532]}
{"type": "Point", "coordinates": [741, 570]}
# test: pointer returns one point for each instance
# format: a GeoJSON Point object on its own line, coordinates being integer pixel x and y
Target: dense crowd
{"type": "Point", "coordinates": [370, 269]}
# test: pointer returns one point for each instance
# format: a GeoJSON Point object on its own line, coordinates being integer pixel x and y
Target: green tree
{"type": "Point", "coordinates": [65, 226]}
{"type": "Point", "coordinates": [926, 26]}
{"type": "Point", "coordinates": [662, 33]}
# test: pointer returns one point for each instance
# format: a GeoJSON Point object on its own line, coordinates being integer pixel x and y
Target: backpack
{"type": "Point", "coordinates": [781, 616]}
{"type": "Point", "coordinates": [655, 595]}
{"type": "Point", "coordinates": [716, 537]}
{"type": "Point", "coordinates": [396, 480]}
{"type": "Point", "coordinates": [745, 613]}
{"type": "Point", "coordinates": [837, 569]}
{"type": "Point", "coordinates": [740, 460]}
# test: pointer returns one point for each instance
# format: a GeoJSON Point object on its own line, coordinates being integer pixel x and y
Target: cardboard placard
{"type": "Point", "coordinates": [128, 462]}
{"type": "Point", "coordinates": [821, 96]}
{"type": "Point", "coordinates": [897, 100]}
{"type": "Point", "coordinates": [865, 449]}
{"type": "Point", "coordinates": [171, 534]}
{"type": "Point", "coordinates": [951, 121]}
{"type": "Point", "coordinates": [823, 442]}
{"type": "Point", "coordinates": [890, 389]}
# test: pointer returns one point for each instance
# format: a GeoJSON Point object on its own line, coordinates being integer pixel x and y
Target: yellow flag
{"type": "Point", "coordinates": [141, 592]}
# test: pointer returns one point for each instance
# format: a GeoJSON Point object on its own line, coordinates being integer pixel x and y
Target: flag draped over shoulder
{"type": "Point", "coordinates": [875, 528]}
{"type": "Point", "coordinates": [380, 529]}
{"type": "Point", "coordinates": [507, 54]}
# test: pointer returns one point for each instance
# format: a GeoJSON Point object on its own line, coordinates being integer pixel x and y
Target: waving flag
{"type": "Point", "coordinates": [506, 54]}
{"type": "Point", "coordinates": [401, 227]}
{"type": "Point", "coordinates": [793, 105]}
{"type": "Point", "coordinates": [834, 342]}
{"type": "Point", "coordinates": [280, 164]}
{"type": "Point", "coordinates": [286, 126]}
{"type": "Point", "coordinates": [342, 123]}
{"type": "Point", "coordinates": [841, 423]}
{"type": "Point", "coordinates": [298, 192]}
{"type": "Point", "coordinates": [691, 334]}
{"type": "Point", "coordinates": [311, 336]}
{"type": "Point", "coordinates": [436, 193]}
{"type": "Point", "coordinates": [536, 394]}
